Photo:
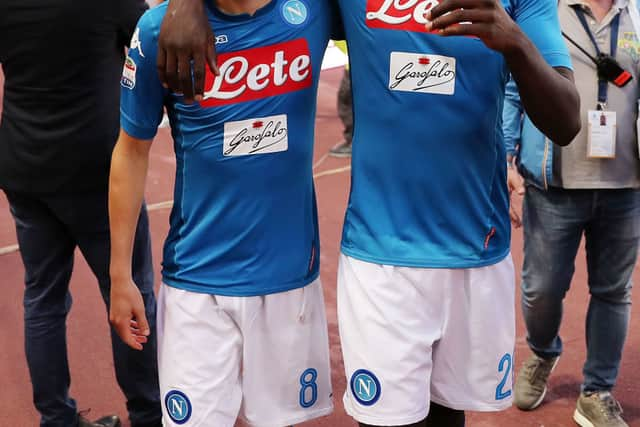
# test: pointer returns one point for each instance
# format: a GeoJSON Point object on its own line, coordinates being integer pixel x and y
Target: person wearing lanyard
{"type": "Point", "coordinates": [588, 188]}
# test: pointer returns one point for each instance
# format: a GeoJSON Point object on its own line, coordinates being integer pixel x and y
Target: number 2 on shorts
{"type": "Point", "coordinates": [309, 386]}
{"type": "Point", "coordinates": [500, 393]}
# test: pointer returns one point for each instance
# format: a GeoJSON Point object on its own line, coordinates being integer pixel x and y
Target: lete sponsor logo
{"type": "Point", "coordinates": [414, 72]}
{"type": "Point", "coordinates": [406, 15]}
{"type": "Point", "coordinates": [259, 73]}
{"type": "Point", "coordinates": [256, 136]}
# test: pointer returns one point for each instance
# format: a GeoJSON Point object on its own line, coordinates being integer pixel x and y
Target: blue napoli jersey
{"type": "Point", "coordinates": [429, 167]}
{"type": "Point", "coordinates": [244, 219]}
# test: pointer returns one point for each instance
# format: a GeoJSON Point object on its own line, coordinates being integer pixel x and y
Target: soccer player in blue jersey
{"type": "Point", "coordinates": [241, 320]}
{"type": "Point", "coordinates": [426, 281]}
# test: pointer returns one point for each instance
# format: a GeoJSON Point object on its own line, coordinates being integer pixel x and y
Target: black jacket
{"type": "Point", "coordinates": [62, 61]}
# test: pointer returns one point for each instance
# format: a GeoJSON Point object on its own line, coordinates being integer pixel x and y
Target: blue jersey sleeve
{"type": "Point", "coordinates": [539, 21]}
{"type": "Point", "coordinates": [512, 116]}
{"type": "Point", "coordinates": [142, 94]}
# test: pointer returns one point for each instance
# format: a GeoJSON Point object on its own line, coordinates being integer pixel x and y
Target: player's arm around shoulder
{"type": "Point", "coordinates": [186, 43]}
{"type": "Point", "coordinates": [530, 40]}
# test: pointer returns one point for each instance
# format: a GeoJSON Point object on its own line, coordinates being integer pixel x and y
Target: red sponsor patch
{"type": "Point", "coordinates": [405, 15]}
{"type": "Point", "coordinates": [259, 73]}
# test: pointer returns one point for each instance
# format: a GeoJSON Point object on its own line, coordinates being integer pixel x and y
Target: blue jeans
{"type": "Point", "coordinates": [554, 223]}
{"type": "Point", "coordinates": [49, 228]}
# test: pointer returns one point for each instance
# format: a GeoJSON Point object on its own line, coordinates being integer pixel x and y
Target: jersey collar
{"type": "Point", "coordinates": [264, 10]}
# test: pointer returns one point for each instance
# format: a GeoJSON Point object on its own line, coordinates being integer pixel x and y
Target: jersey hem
{"type": "Point", "coordinates": [134, 130]}
{"type": "Point", "coordinates": [474, 406]}
{"type": "Point", "coordinates": [457, 264]}
{"type": "Point", "coordinates": [291, 421]}
{"type": "Point", "coordinates": [265, 290]}
{"type": "Point", "coordinates": [558, 59]}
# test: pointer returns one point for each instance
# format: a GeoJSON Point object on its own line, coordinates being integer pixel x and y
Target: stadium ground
{"type": "Point", "coordinates": [93, 380]}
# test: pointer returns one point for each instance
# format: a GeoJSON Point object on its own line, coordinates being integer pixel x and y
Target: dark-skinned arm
{"type": "Point", "coordinates": [548, 95]}
{"type": "Point", "coordinates": [186, 43]}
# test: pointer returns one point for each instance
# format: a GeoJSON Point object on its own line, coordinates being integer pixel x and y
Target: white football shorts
{"type": "Point", "coordinates": [263, 359]}
{"type": "Point", "coordinates": [414, 335]}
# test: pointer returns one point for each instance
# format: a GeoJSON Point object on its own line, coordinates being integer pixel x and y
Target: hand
{"type": "Point", "coordinates": [127, 314]}
{"type": "Point", "coordinates": [515, 183]}
{"type": "Point", "coordinates": [186, 42]}
{"type": "Point", "coordinates": [484, 19]}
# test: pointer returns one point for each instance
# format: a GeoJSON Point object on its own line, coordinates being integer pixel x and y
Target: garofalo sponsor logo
{"type": "Point", "coordinates": [421, 73]}
{"type": "Point", "coordinates": [259, 73]}
{"type": "Point", "coordinates": [256, 136]}
{"type": "Point", "coordinates": [406, 15]}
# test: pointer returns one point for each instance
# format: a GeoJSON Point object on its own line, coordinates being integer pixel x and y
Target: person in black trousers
{"type": "Point", "coordinates": [62, 61]}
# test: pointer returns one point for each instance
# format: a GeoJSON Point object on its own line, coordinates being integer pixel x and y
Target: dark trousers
{"type": "Point", "coordinates": [49, 229]}
{"type": "Point", "coordinates": [554, 223]}
{"type": "Point", "coordinates": [345, 106]}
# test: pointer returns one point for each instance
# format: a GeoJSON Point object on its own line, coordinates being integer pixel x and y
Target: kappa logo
{"type": "Point", "coordinates": [259, 73]}
{"type": "Point", "coordinates": [222, 39]}
{"type": "Point", "coordinates": [178, 406]}
{"type": "Point", "coordinates": [365, 387]}
{"type": "Point", "coordinates": [405, 15]}
{"type": "Point", "coordinates": [295, 12]}
{"type": "Point", "coordinates": [135, 42]}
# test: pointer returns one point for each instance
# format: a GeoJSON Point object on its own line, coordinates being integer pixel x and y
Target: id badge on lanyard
{"type": "Point", "coordinates": [602, 134]}
{"type": "Point", "coordinates": [602, 124]}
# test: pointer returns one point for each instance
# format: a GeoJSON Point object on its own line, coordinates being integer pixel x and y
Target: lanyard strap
{"type": "Point", "coordinates": [603, 84]}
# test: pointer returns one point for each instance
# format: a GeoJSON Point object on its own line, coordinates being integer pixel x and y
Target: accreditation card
{"type": "Point", "coordinates": [602, 134]}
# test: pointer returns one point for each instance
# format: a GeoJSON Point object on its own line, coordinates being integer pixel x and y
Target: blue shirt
{"type": "Point", "coordinates": [244, 220]}
{"type": "Point", "coordinates": [429, 168]}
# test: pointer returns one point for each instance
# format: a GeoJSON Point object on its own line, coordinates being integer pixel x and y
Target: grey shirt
{"type": "Point", "coordinates": [572, 168]}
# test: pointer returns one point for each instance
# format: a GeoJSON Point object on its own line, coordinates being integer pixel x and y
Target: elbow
{"type": "Point", "coordinates": [571, 124]}
{"type": "Point", "coordinates": [569, 132]}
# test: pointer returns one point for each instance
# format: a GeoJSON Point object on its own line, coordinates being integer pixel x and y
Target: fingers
{"type": "Point", "coordinates": [472, 30]}
{"type": "Point", "coordinates": [447, 6]}
{"type": "Point", "coordinates": [515, 218]}
{"type": "Point", "coordinates": [457, 17]}
{"type": "Point", "coordinates": [122, 326]}
{"type": "Point", "coordinates": [198, 76]}
{"type": "Point", "coordinates": [137, 333]}
{"type": "Point", "coordinates": [141, 320]}
{"type": "Point", "coordinates": [515, 182]}
{"type": "Point", "coordinates": [161, 66]}
{"type": "Point", "coordinates": [211, 57]}
{"type": "Point", "coordinates": [185, 82]}
{"type": "Point", "coordinates": [171, 70]}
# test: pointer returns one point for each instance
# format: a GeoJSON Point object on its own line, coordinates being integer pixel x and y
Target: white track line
{"type": "Point", "coordinates": [8, 250]}
{"type": "Point", "coordinates": [169, 203]}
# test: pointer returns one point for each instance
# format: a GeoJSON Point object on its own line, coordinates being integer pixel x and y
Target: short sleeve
{"type": "Point", "coordinates": [539, 21]}
{"type": "Point", "coordinates": [142, 94]}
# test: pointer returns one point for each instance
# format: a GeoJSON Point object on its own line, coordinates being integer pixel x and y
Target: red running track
{"type": "Point", "coordinates": [93, 383]}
